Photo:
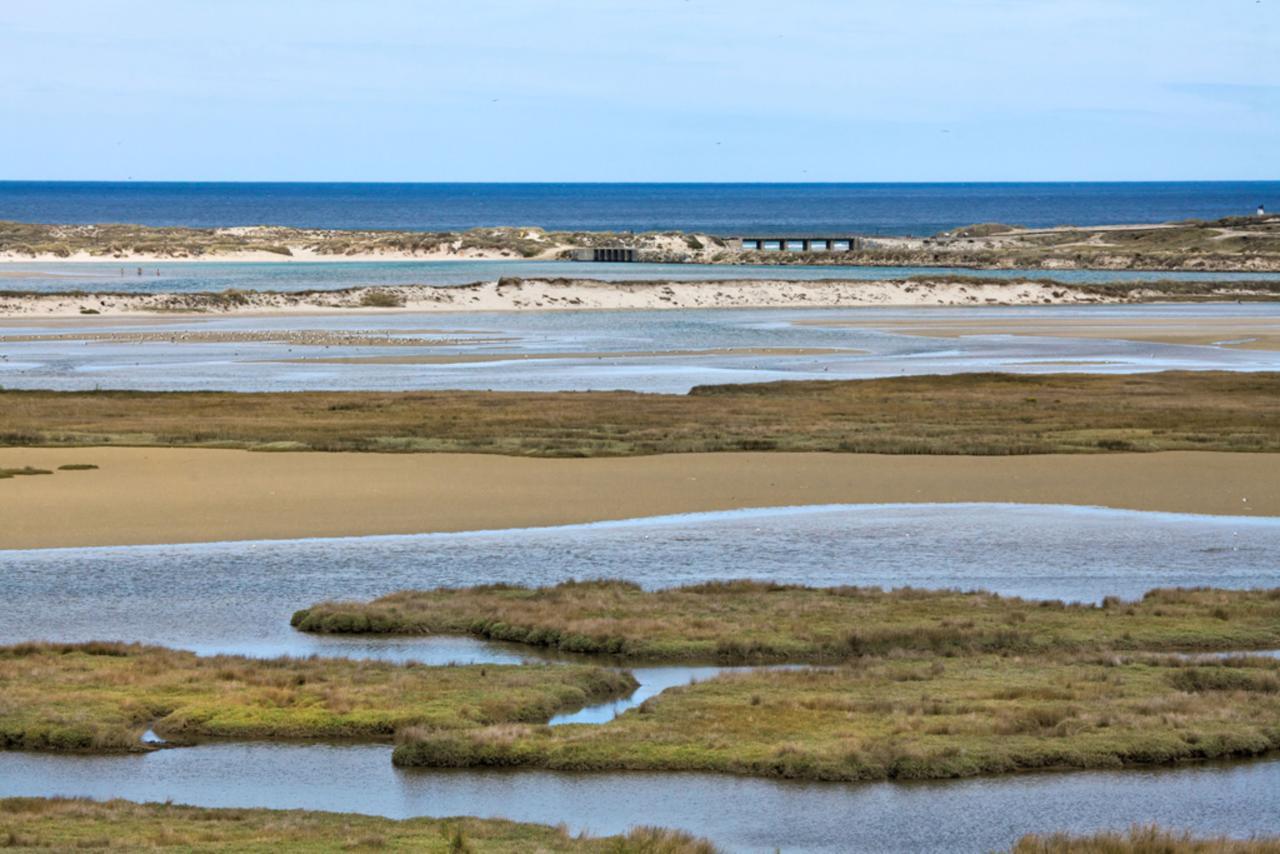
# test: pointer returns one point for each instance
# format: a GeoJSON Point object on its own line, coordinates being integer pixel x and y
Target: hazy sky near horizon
{"type": "Point", "coordinates": [640, 90]}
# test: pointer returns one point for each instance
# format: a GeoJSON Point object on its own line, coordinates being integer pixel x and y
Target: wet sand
{"type": "Point", "coordinates": [460, 359]}
{"type": "Point", "coordinates": [1245, 333]}
{"type": "Point", "coordinates": [163, 495]}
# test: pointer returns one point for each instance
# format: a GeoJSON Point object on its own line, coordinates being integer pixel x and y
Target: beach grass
{"type": "Point", "coordinates": [99, 697]}
{"type": "Point", "coordinates": [986, 414]}
{"type": "Point", "coordinates": [905, 717]}
{"type": "Point", "coordinates": [62, 824]}
{"type": "Point", "coordinates": [751, 621]}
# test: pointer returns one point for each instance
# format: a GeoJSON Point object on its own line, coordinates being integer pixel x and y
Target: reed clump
{"type": "Point", "coordinates": [102, 696]}
{"type": "Point", "coordinates": [749, 621]}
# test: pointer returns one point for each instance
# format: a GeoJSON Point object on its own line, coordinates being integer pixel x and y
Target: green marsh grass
{"type": "Point", "coordinates": [62, 824]}
{"type": "Point", "coordinates": [906, 716]}
{"type": "Point", "coordinates": [749, 621]}
{"type": "Point", "coordinates": [990, 414]}
{"type": "Point", "coordinates": [1142, 839]}
{"type": "Point", "coordinates": [102, 696]}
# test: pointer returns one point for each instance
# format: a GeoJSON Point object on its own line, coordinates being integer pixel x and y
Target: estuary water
{"type": "Point", "coordinates": [740, 814]}
{"type": "Point", "coordinates": [722, 208]}
{"type": "Point", "coordinates": [585, 350]}
{"type": "Point", "coordinates": [237, 597]}
{"type": "Point", "coordinates": [187, 277]}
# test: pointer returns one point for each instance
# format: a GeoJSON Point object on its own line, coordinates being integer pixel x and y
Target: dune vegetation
{"type": "Point", "coordinates": [1235, 243]}
{"type": "Point", "coordinates": [103, 696]}
{"type": "Point", "coordinates": [908, 716]}
{"type": "Point", "coordinates": [749, 621]}
{"type": "Point", "coordinates": [31, 824]}
{"type": "Point", "coordinates": [962, 414]}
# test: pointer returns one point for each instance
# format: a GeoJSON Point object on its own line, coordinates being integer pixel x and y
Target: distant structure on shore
{"type": "Point", "coordinates": [1262, 210]}
{"type": "Point", "coordinates": [841, 243]}
{"type": "Point", "coordinates": [621, 254]}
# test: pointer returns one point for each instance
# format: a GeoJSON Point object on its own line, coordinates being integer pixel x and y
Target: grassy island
{"type": "Point", "coordinates": [995, 414]}
{"type": "Point", "coordinates": [908, 717]}
{"type": "Point", "coordinates": [68, 824]}
{"type": "Point", "coordinates": [102, 696]}
{"type": "Point", "coordinates": [758, 621]}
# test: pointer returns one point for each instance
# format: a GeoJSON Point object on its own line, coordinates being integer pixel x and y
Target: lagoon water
{"type": "Point", "coordinates": [187, 277]}
{"type": "Point", "coordinates": [722, 208]}
{"type": "Point", "coordinates": [740, 814]}
{"type": "Point", "coordinates": [582, 340]}
{"type": "Point", "coordinates": [237, 597]}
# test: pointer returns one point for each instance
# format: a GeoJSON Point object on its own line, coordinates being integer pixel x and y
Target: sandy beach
{"type": "Point", "coordinates": [162, 495]}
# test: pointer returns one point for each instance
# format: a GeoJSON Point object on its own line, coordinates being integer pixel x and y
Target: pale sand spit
{"type": "Point", "coordinates": [556, 294]}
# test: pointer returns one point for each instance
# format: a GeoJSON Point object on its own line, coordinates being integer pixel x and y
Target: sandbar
{"type": "Point", "coordinates": [169, 495]}
{"type": "Point", "coordinates": [1243, 333]}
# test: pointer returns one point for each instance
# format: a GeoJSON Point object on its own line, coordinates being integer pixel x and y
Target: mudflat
{"type": "Point", "coordinates": [174, 495]}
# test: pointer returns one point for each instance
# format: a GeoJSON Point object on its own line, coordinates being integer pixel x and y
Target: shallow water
{"type": "Point", "coordinates": [237, 597]}
{"type": "Point", "coordinates": [741, 814]}
{"type": "Point", "coordinates": [578, 338]}
{"type": "Point", "coordinates": [186, 277]}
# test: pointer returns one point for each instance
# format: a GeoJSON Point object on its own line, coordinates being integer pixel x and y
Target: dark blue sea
{"type": "Point", "coordinates": [725, 209]}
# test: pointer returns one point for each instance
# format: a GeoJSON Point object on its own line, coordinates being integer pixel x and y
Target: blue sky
{"type": "Point", "coordinates": [624, 90]}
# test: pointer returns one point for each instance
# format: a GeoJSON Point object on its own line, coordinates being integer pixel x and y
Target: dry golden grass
{"type": "Point", "coordinates": [965, 414]}
{"type": "Point", "coordinates": [759, 621]}
{"type": "Point", "coordinates": [102, 696]}
{"type": "Point", "coordinates": [30, 824]}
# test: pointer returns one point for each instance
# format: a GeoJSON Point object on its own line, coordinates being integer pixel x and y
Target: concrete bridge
{"type": "Point", "coordinates": [841, 243]}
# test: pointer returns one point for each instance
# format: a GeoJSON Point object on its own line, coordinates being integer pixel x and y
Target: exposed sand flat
{"type": "Point", "coordinates": [162, 495]}
{"type": "Point", "coordinates": [1248, 333]}
{"type": "Point", "coordinates": [303, 337]}
{"type": "Point", "coordinates": [463, 358]}
{"type": "Point", "coordinates": [552, 294]}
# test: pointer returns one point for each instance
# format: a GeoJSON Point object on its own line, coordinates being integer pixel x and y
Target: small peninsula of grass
{"type": "Point", "coordinates": [907, 717]}
{"type": "Point", "coordinates": [29, 824]}
{"type": "Point", "coordinates": [990, 414]}
{"type": "Point", "coordinates": [103, 696]}
{"type": "Point", "coordinates": [759, 621]}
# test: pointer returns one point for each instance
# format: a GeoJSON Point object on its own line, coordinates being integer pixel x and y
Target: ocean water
{"type": "Point", "coordinates": [725, 209]}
